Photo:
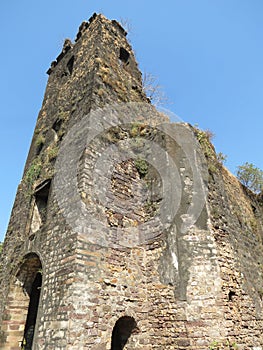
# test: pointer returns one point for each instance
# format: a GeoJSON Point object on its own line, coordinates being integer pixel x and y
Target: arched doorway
{"type": "Point", "coordinates": [22, 305]}
{"type": "Point", "coordinates": [122, 331]}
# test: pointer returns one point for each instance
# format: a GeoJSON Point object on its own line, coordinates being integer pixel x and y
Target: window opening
{"type": "Point", "coordinates": [231, 295]}
{"type": "Point", "coordinates": [57, 125]}
{"type": "Point", "coordinates": [70, 65]}
{"type": "Point", "coordinates": [40, 146]}
{"type": "Point", "coordinates": [124, 55]}
{"type": "Point", "coordinates": [40, 206]}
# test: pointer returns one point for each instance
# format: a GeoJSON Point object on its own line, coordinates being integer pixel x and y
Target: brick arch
{"type": "Point", "coordinates": [123, 329]}
{"type": "Point", "coordinates": [22, 304]}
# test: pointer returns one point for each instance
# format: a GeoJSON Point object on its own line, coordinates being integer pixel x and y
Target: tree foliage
{"type": "Point", "coordinates": [1, 247]}
{"type": "Point", "coordinates": [250, 176]}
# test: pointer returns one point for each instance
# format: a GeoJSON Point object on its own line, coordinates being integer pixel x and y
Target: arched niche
{"type": "Point", "coordinates": [123, 329]}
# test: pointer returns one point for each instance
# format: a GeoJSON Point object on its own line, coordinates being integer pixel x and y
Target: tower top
{"type": "Point", "coordinates": [68, 45]}
{"type": "Point", "coordinates": [99, 68]}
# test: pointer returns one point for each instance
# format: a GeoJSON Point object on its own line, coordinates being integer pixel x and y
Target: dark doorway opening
{"type": "Point", "coordinates": [32, 313]}
{"type": "Point", "coordinates": [122, 331]}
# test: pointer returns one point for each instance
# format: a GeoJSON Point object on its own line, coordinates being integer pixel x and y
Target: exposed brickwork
{"type": "Point", "coordinates": [188, 286]}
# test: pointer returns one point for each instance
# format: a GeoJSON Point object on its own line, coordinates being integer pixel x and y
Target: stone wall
{"type": "Point", "coordinates": [143, 239]}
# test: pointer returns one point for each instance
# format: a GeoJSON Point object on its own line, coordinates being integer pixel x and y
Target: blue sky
{"type": "Point", "coordinates": [207, 55]}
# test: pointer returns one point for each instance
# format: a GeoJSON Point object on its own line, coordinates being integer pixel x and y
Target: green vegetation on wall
{"type": "Point", "coordinates": [33, 172]}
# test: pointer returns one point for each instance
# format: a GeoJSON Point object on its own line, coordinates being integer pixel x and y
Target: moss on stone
{"type": "Point", "coordinates": [142, 166]}
{"type": "Point", "coordinates": [33, 172]}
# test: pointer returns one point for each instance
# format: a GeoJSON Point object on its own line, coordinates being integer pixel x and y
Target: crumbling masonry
{"type": "Point", "coordinates": [96, 256]}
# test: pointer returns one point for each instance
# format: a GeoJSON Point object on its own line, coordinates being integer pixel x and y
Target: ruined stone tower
{"type": "Point", "coordinates": [126, 232]}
